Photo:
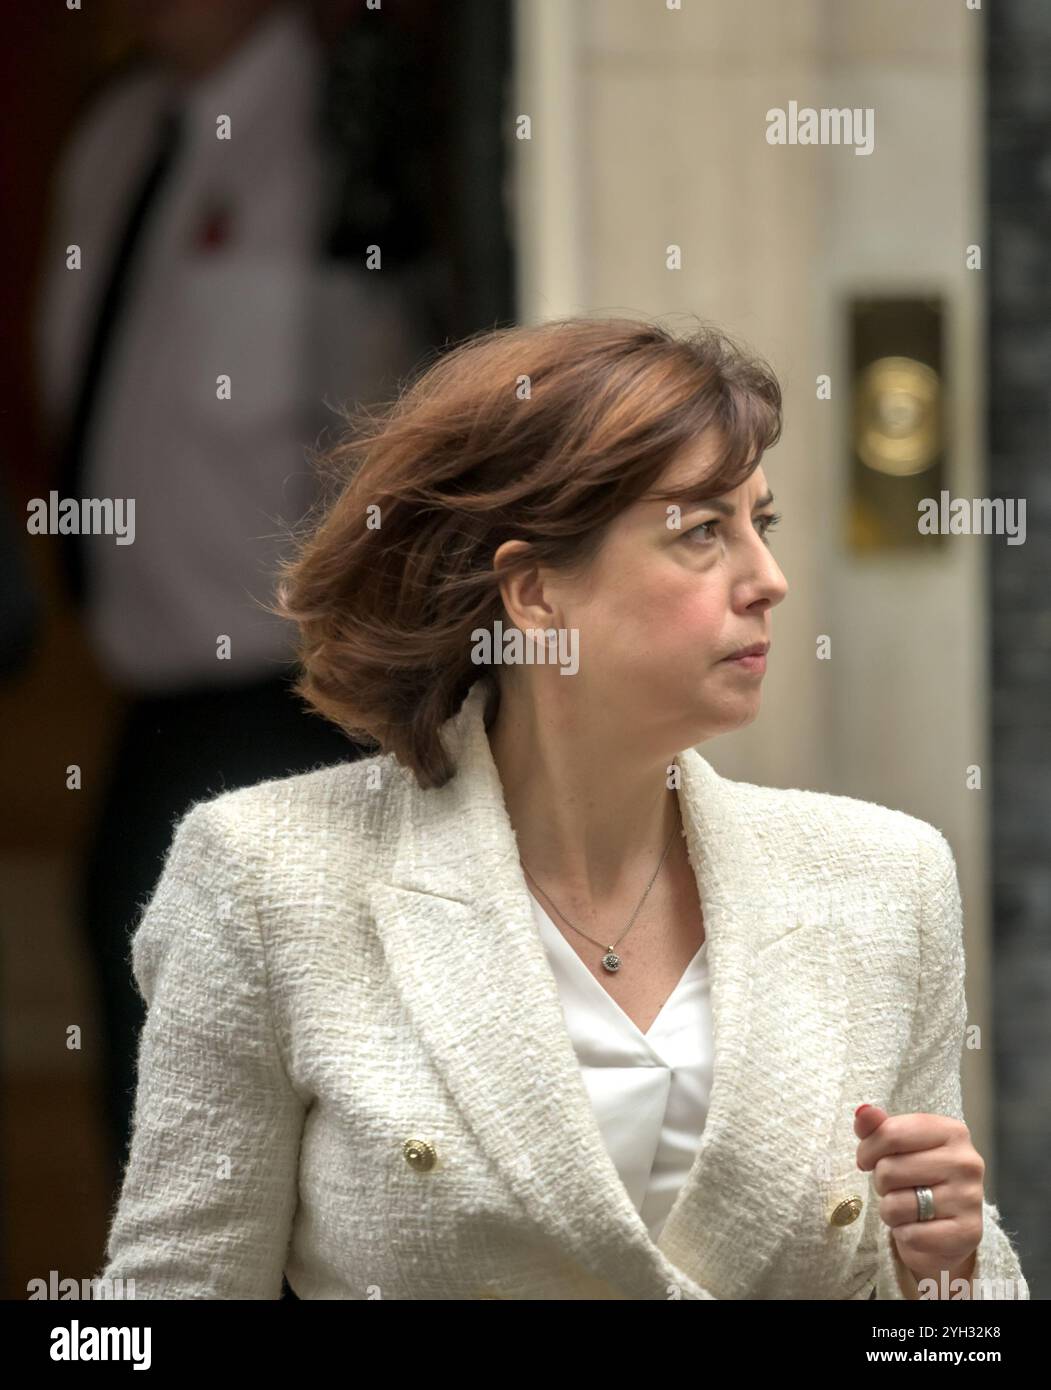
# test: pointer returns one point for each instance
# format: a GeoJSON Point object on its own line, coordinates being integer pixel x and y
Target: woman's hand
{"type": "Point", "coordinates": [908, 1151]}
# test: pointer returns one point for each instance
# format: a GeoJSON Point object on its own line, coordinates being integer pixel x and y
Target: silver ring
{"type": "Point", "coordinates": [924, 1203]}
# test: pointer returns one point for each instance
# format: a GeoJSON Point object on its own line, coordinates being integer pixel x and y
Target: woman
{"type": "Point", "coordinates": [534, 1003]}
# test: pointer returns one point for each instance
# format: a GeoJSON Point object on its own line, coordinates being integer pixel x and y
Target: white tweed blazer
{"type": "Point", "coordinates": [355, 1068]}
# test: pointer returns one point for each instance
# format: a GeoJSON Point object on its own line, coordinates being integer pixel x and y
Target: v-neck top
{"type": "Point", "coordinates": [649, 1091]}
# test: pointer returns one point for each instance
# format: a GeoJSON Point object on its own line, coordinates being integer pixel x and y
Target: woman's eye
{"type": "Point", "coordinates": [769, 520]}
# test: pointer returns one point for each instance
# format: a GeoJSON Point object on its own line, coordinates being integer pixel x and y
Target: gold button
{"type": "Point", "coordinates": [846, 1211]}
{"type": "Point", "coordinates": [419, 1155]}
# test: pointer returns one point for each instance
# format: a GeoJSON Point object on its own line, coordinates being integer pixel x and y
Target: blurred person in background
{"type": "Point", "coordinates": [202, 258]}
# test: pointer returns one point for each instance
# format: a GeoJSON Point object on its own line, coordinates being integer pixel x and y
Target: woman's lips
{"type": "Point", "coordinates": [755, 664]}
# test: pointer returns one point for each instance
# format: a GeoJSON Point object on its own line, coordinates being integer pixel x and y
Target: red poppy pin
{"type": "Point", "coordinates": [214, 228]}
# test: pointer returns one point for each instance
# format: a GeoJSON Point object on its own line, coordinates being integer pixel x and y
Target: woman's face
{"type": "Point", "coordinates": [668, 597]}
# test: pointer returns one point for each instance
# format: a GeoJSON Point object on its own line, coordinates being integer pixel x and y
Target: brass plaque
{"type": "Point", "coordinates": [897, 420]}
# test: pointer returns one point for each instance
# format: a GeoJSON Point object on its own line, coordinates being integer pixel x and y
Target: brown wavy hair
{"type": "Point", "coordinates": [540, 433]}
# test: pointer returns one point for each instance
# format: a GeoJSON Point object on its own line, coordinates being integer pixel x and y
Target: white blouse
{"type": "Point", "coordinates": [649, 1091]}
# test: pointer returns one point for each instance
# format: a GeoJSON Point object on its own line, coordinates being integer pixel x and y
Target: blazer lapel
{"type": "Point", "coordinates": [457, 928]}
{"type": "Point", "coordinates": [780, 1018]}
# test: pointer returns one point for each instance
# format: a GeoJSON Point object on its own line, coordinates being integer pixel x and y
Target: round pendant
{"type": "Point", "coordinates": [611, 961]}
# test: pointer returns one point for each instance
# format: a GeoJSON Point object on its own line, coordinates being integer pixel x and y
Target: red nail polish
{"type": "Point", "coordinates": [860, 1108]}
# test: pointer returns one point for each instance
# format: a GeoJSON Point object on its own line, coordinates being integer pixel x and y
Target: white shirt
{"type": "Point", "coordinates": [215, 481]}
{"type": "Point", "coordinates": [649, 1091]}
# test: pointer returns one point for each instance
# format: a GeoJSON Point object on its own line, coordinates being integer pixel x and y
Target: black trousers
{"type": "Point", "coordinates": [172, 750]}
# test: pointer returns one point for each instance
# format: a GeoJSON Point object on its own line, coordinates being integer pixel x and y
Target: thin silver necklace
{"type": "Point", "coordinates": [611, 961]}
